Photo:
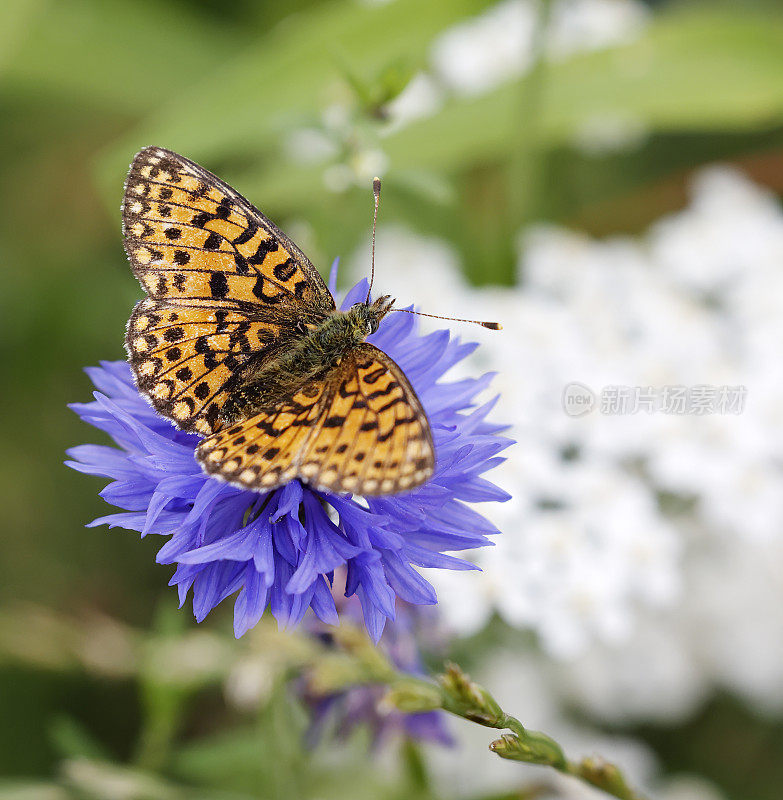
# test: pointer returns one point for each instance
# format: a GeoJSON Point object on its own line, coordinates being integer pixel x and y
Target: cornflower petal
{"type": "Point", "coordinates": [279, 550]}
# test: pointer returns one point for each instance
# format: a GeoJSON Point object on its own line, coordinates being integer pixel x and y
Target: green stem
{"type": "Point", "coordinates": [358, 662]}
{"type": "Point", "coordinates": [282, 755]}
{"type": "Point", "coordinates": [526, 168]}
{"type": "Point", "coordinates": [162, 702]}
{"type": "Point", "coordinates": [162, 710]}
{"type": "Point", "coordinates": [455, 693]}
{"type": "Point", "coordinates": [418, 782]}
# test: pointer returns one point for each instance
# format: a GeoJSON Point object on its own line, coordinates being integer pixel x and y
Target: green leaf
{"type": "Point", "coordinates": [72, 740]}
{"type": "Point", "coordinates": [125, 56]}
{"type": "Point", "coordinates": [692, 70]}
{"type": "Point", "coordinates": [286, 76]}
{"type": "Point", "coordinates": [695, 70]}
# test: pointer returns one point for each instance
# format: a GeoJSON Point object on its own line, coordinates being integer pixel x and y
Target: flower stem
{"type": "Point", "coordinates": [357, 661]}
{"type": "Point", "coordinates": [464, 698]}
{"type": "Point", "coordinates": [415, 769]}
{"type": "Point", "coordinates": [454, 692]}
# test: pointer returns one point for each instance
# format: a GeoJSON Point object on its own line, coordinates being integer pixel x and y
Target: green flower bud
{"type": "Point", "coordinates": [413, 696]}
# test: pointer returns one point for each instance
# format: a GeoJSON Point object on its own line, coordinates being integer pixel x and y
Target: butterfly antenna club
{"type": "Point", "coordinates": [376, 190]}
{"type": "Point", "coordinates": [493, 326]}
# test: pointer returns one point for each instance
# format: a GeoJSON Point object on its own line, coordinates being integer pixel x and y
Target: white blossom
{"type": "Point", "coordinates": [481, 53]}
{"type": "Point", "coordinates": [643, 549]}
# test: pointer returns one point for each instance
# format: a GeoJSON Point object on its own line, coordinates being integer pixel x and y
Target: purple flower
{"type": "Point", "coordinates": [414, 631]}
{"type": "Point", "coordinates": [280, 549]}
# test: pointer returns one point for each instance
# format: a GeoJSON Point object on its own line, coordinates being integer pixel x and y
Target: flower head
{"type": "Point", "coordinates": [414, 633]}
{"type": "Point", "coordinates": [280, 549]}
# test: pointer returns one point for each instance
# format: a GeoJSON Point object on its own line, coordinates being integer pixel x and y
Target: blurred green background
{"type": "Point", "coordinates": [85, 83]}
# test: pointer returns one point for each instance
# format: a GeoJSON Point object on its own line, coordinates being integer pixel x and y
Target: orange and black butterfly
{"type": "Point", "coordinates": [240, 340]}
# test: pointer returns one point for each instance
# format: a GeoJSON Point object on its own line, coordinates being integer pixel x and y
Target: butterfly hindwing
{"type": "Point", "coordinates": [361, 430]}
{"type": "Point", "coordinates": [263, 452]}
{"type": "Point", "coordinates": [373, 436]}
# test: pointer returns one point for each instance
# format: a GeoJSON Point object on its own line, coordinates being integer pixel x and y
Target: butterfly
{"type": "Point", "coordinates": [240, 341]}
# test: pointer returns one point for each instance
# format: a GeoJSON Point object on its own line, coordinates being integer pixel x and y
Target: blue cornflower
{"type": "Point", "coordinates": [414, 632]}
{"type": "Point", "coordinates": [280, 549]}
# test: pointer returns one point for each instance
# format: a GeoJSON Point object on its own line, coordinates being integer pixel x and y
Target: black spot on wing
{"type": "Point", "coordinates": [243, 268]}
{"type": "Point", "coordinates": [173, 334]}
{"type": "Point", "coordinates": [223, 211]}
{"type": "Point", "coordinates": [285, 271]}
{"type": "Point", "coordinates": [246, 234]}
{"type": "Point", "coordinates": [218, 285]}
{"type": "Point", "coordinates": [211, 415]}
{"type": "Point", "coordinates": [212, 242]}
{"type": "Point", "coordinates": [265, 247]}
{"type": "Point", "coordinates": [381, 392]}
{"type": "Point", "coordinates": [201, 219]}
{"type": "Point", "coordinates": [372, 377]}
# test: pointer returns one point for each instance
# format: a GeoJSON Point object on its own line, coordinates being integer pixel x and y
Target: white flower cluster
{"type": "Point", "coordinates": [645, 550]}
{"type": "Point", "coordinates": [481, 53]}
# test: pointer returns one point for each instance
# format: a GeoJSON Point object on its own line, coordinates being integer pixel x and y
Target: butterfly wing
{"type": "Point", "coordinates": [188, 358]}
{"type": "Point", "coordinates": [224, 286]}
{"type": "Point", "coordinates": [373, 435]}
{"type": "Point", "coordinates": [263, 451]}
{"type": "Point", "coordinates": [361, 430]}
{"type": "Point", "coordinates": [191, 239]}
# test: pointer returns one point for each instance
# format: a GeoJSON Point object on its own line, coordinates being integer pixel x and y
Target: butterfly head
{"type": "Point", "coordinates": [368, 316]}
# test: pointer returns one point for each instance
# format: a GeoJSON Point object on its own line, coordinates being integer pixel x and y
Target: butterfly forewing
{"type": "Point", "coordinates": [224, 285]}
{"type": "Point", "coordinates": [361, 430]}
{"type": "Point", "coordinates": [191, 238]}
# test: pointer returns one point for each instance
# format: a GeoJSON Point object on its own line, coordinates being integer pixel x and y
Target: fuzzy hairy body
{"type": "Point", "coordinates": [302, 360]}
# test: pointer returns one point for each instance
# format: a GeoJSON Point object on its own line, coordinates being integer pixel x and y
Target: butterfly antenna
{"type": "Point", "coordinates": [376, 190]}
{"type": "Point", "coordinates": [493, 326]}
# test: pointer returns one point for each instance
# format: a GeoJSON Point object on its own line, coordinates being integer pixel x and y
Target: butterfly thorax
{"type": "Point", "coordinates": [306, 358]}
